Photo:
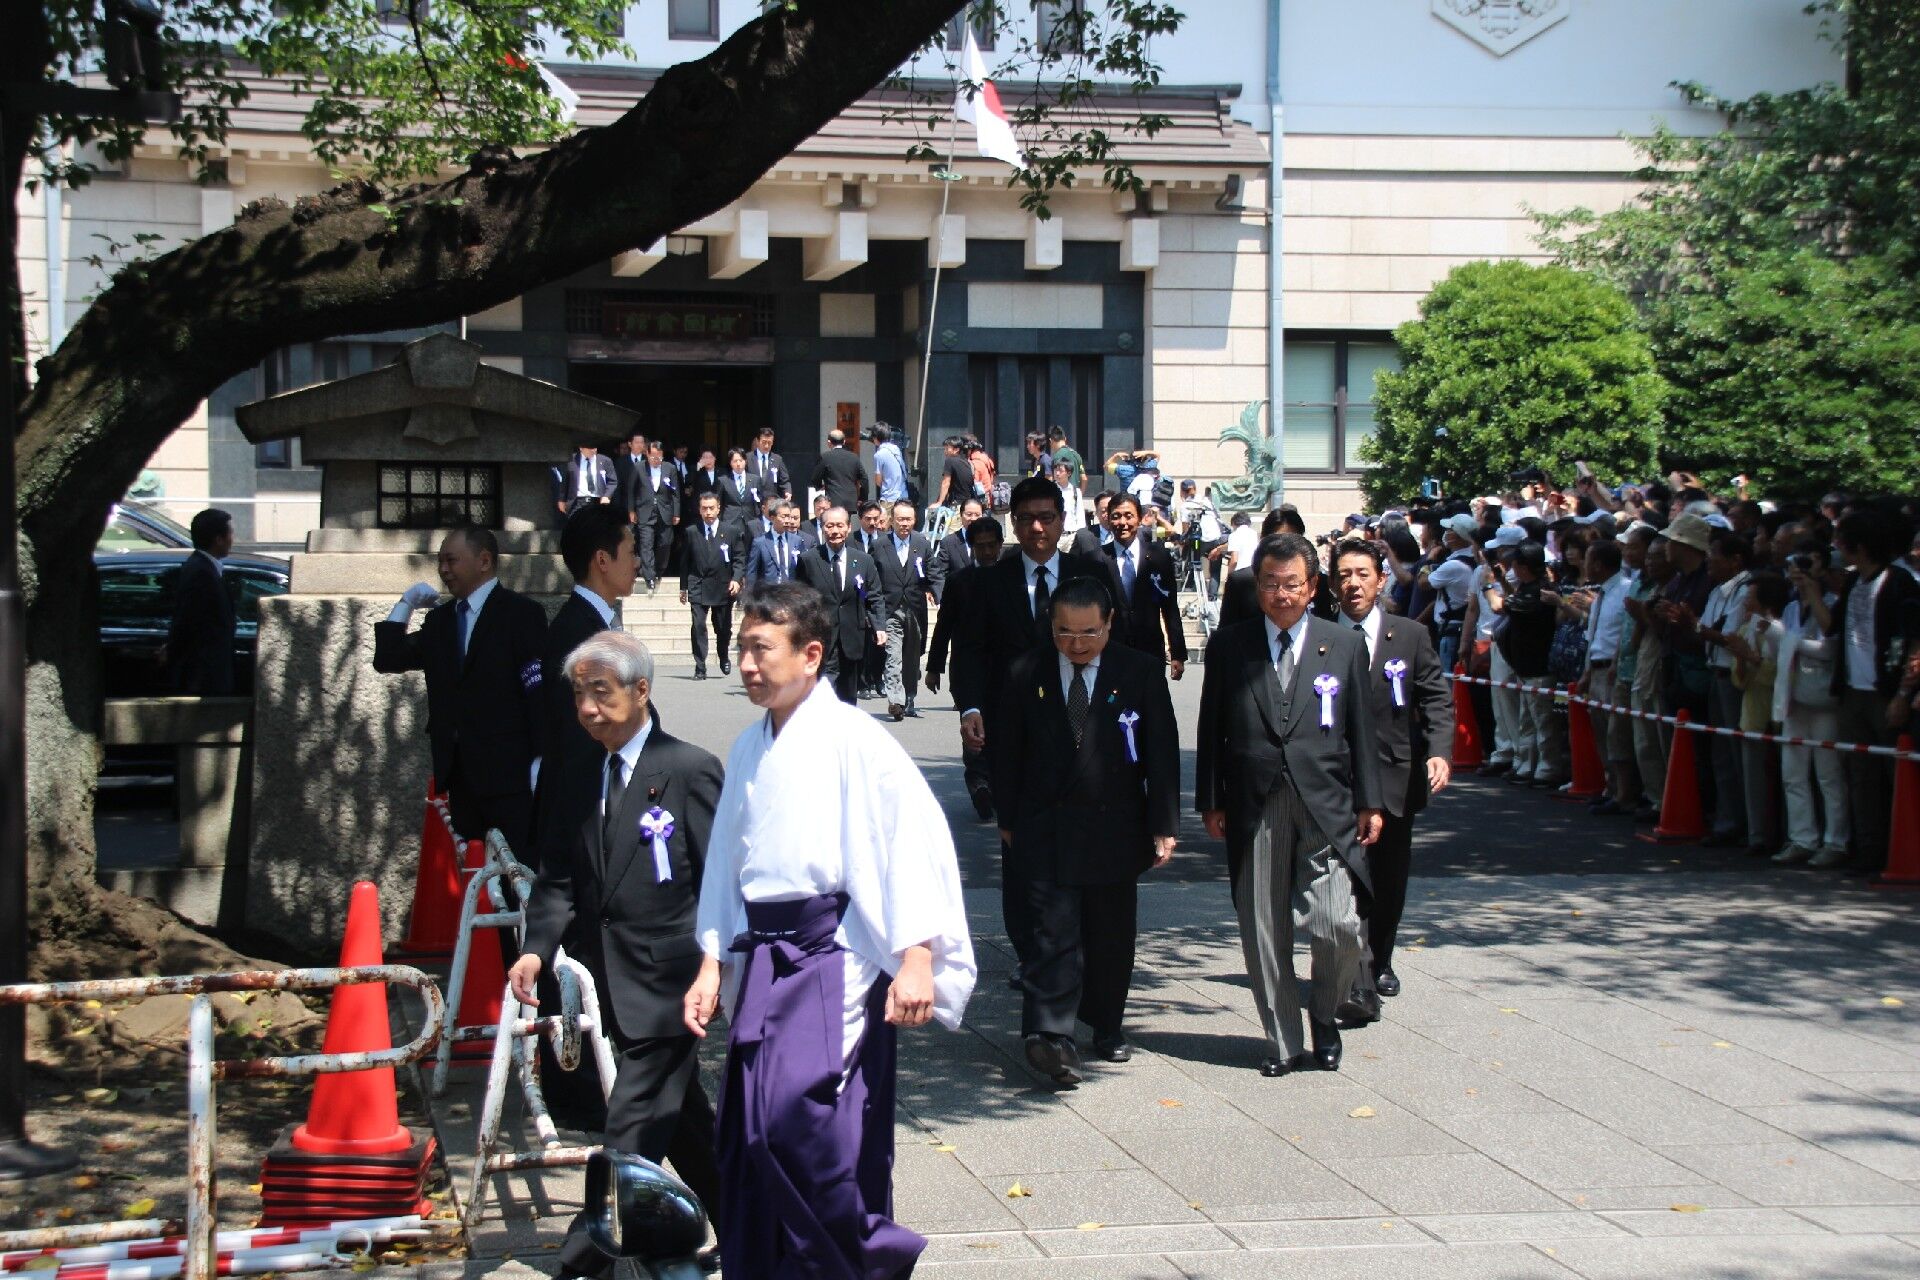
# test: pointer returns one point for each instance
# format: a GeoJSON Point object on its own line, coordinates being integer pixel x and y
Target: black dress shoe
{"type": "Point", "coordinates": [1495, 769]}
{"type": "Point", "coordinates": [1606, 807]}
{"type": "Point", "coordinates": [913, 712]}
{"type": "Point", "coordinates": [699, 673]}
{"type": "Point", "coordinates": [1646, 813]}
{"type": "Point", "coordinates": [983, 803]}
{"type": "Point", "coordinates": [1273, 1068]}
{"type": "Point", "coordinates": [1387, 983]}
{"type": "Point", "coordinates": [1724, 840]}
{"type": "Point", "coordinates": [1112, 1048]}
{"type": "Point", "coordinates": [1054, 1058]}
{"type": "Point", "coordinates": [1014, 983]}
{"type": "Point", "coordinates": [1358, 1010]}
{"type": "Point", "coordinates": [1326, 1044]}
{"type": "Point", "coordinates": [726, 666]}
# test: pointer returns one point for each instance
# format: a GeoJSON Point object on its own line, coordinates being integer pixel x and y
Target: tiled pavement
{"type": "Point", "coordinates": [1610, 1060]}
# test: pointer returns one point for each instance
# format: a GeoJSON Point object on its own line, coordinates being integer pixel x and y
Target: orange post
{"type": "Point", "coordinates": [1589, 774]}
{"type": "Point", "coordinates": [1680, 820]}
{"type": "Point", "coordinates": [1467, 753]}
{"type": "Point", "coordinates": [1903, 836]}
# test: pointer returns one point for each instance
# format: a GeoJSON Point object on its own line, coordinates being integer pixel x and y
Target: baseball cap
{"type": "Point", "coordinates": [1461, 525]}
{"type": "Point", "coordinates": [1511, 535]}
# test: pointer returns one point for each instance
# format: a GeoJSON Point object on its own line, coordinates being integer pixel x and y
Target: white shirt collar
{"type": "Point", "coordinates": [1298, 631]}
{"type": "Point", "coordinates": [1091, 674]}
{"type": "Point", "coordinates": [1052, 567]}
{"type": "Point", "coordinates": [601, 607]}
{"type": "Point", "coordinates": [477, 598]}
{"type": "Point", "coordinates": [1370, 625]}
{"type": "Point", "coordinates": [629, 756]}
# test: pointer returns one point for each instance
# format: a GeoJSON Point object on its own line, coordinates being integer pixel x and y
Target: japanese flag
{"type": "Point", "coordinates": [979, 102]}
{"type": "Point", "coordinates": [562, 93]}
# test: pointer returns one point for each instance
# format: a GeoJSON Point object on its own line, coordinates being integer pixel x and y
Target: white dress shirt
{"type": "Point", "coordinates": [629, 761]}
{"type": "Point", "coordinates": [1859, 629]}
{"type": "Point", "coordinates": [1607, 619]}
{"type": "Point", "coordinates": [1369, 628]}
{"type": "Point", "coordinates": [1052, 567]}
{"type": "Point", "coordinates": [601, 607]}
{"type": "Point", "coordinates": [1299, 633]}
{"type": "Point", "coordinates": [1725, 612]}
{"type": "Point", "coordinates": [476, 601]}
{"type": "Point", "coordinates": [1088, 674]}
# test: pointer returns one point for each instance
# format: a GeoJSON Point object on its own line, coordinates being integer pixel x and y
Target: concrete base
{"type": "Point", "coordinates": [194, 892]}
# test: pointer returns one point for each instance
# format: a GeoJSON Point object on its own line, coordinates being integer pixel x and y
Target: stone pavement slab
{"type": "Point", "coordinates": [1609, 1060]}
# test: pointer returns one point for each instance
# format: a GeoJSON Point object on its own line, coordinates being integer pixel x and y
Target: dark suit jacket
{"type": "Point", "coordinates": [602, 484]}
{"type": "Point", "coordinates": [1086, 542]}
{"type": "Point", "coordinates": [905, 585]}
{"type": "Point", "coordinates": [858, 610]}
{"type": "Point", "coordinates": [735, 510]}
{"type": "Point", "coordinates": [1087, 814]}
{"type": "Point", "coordinates": [200, 635]}
{"type": "Point", "coordinates": [949, 558]}
{"type": "Point", "coordinates": [1153, 612]}
{"type": "Point", "coordinates": [957, 604]}
{"type": "Point", "coordinates": [763, 564]}
{"type": "Point", "coordinates": [486, 717]}
{"type": "Point", "coordinates": [707, 565]}
{"type": "Point", "coordinates": [1254, 738]}
{"type": "Point", "coordinates": [569, 789]}
{"type": "Point", "coordinates": [1419, 728]}
{"type": "Point", "coordinates": [843, 477]}
{"type": "Point", "coordinates": [697, 483]}
{"type": "Point", "coordinates": [1896, 628]}
{"type": "Point", "coordinates": [654, 508]}
{"type": "Point", "coordinates": [633, 931]}
{"type": "Point", "coordinates": [774, 477]}
{"type": "Point", "coordinates": [1000, 627]}
{"type": "Point", "coordinates": [1240, 601]}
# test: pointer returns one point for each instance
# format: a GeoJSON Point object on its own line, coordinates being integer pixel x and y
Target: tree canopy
{"type": "Point", "coordinates": [1772, 263]}
{"type": "Point", "coordinates": [1512, 366]}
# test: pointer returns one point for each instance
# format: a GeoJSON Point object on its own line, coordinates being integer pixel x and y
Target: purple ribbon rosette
{"type": "Point", "coordinates": [656, 825]}
{"type": "Point", "coordinates": [1326, 686]}
{"type": "Point", "coordinates": [1127, 720]}
{"type": "Point", "coordinates": [1396, 671]}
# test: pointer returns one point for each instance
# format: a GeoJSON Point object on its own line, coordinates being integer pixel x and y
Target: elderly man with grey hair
{"type": "Point", "coordinates": [630, 882]}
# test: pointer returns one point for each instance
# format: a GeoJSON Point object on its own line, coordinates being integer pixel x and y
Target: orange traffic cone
{"type": "Point", "coordinates": [352, 1158]}
{"type": "Point", "coordinates": [1466, 726]}
{"type": "Point", "coordinates": [1680, 821]}
{"type": "Point", "coordinates": [435, 919]}
{"type": "Point", "coordinates": [1589, 774]}
{"type": "Point", "coordinates": [480, 994]}
{"type": "Point", "coordinates": [1903, 837]}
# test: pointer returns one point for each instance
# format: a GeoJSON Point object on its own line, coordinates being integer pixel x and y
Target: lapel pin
{"type": "Point", "coordinates": [653, 793]}
{"type": "Point", "coordinates": [1323, 651]}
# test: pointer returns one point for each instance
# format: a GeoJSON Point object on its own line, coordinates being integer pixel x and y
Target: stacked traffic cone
{"type": "Point", "coordinates": [1680, 821]}
{"type": "Point", "coordinates": [352, 1158]}
{"type": "Point", "coordinates": [434, 921]}
{"type": "Point", "coordinates": [1589, 774]}
{"type": "Point", "coordinates": [1903, 837]}
{"type": "Point", "coordinates": [486, 974]}
{"type": "Point", "coordinates": [1466, 725]}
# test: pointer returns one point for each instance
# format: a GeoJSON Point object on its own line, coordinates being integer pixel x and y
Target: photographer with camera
{"type": "Point", "coordinates": [1450, 581]}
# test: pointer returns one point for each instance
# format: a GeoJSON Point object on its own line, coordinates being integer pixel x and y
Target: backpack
{"type": "Point", "coordinates": [1163, 493]}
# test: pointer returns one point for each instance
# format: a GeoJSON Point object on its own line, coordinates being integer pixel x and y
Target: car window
{"type": "Point", "coordinates": [247, 587]}
{"type": "Point", "coordinates": [122, 534]}
{"type": "Point", "coordinates": [137, 595]}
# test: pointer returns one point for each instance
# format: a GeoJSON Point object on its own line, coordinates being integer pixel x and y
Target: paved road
{"type": "Point", "coordinates": [1612, 1059]}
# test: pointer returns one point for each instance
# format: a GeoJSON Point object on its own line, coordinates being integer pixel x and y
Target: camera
{"type": "Point", "coordinates": [1529, 475]}
{"type": "Point", "coordinates": [1803, 562]}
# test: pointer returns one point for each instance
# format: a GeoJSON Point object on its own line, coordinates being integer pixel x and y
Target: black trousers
{"type": "Point", "coordinates": [658, 1111]}
{"type": "Point", "coordinates": [1390, 860]}
{"type": "Point", "coordinates": [474, 814]}
{"type": "Point", "coordinates": [660, 558]}
{"type": "Point", "coordinates": [721, 618]}
{"type": "Point", "coordinates": [1082, 956]}
{"type": "Point", "coordinates": [645, 543]}
{"type": "Point", "coordinates": [843, 673]}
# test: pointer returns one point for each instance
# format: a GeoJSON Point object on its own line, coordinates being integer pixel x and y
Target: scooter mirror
{"type": "Point", "coordinates": [640, 1211]}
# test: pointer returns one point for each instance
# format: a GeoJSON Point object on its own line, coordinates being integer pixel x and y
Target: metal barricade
{"type": "Point", "coordinates": [200, 1262]}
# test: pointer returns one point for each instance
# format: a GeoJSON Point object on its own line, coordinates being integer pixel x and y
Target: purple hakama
{"type": "Point", "coordinates": [806, 1135]}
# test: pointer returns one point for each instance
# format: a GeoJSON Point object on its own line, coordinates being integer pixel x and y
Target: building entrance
{"type": "Point", "coordinates": [711, 406]}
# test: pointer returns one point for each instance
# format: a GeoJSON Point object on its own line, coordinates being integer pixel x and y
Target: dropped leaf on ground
{"type": "Point", "coordinates": [945, 1148]}
{"type": "Point", "coordinates": [1172, 1102]}
{"type": "Point", "coordinates": [1893, 1002]}
{"type": "Point", "coordinates": [1688, 1208]}
{"type": "Point", "coordinates": [139, 1208]}
{"type": "Point", "coordinates": [1017, 1192]}
{"type": "Point", "coordinates": [1090, 1226]}
{"type": "Point", "coordinates": [1362, 1113]}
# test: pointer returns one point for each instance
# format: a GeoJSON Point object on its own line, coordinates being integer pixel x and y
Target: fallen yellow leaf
{"type": "Point", "coordinates": [254, 1187]}
{"type": "Point", "coordinates": [1893, 1002]}
{"type": "Point", "coordinates": [91, 1004]}
{"type": "Point", "coordinates": [1362, 1113]}
{"type": "Point", "coordinates": [82, 1182]}
{"type": "Point", "coordinates": [1090, 1226]}
{"type": "Point", "coordinates": [1721, 1044]}
{"type": "Point", "coordinates": [1195, 1204]}
{"type": "Point", "coordinates": [1509, 1011]}
{"type": "Point", "coordinates": [984, 1244]}
{"type": "Point", "coordinates": [1172, 1102]}
{"type": "Point", "coordinates": [945, 1148]}
{"type": "Point", "coordinates": [1017, 1192]}
{"type": "Point", "coordinates": [100, 1095]}
{"type": "Point", "coordinates": [42, 1264]}
{"type": "Point", "coordinates": [139, 1208]}
{"type": "Point", "coordinates": [1688, 1208]}
{"type": "Point", "coordinates": [64, 1213]}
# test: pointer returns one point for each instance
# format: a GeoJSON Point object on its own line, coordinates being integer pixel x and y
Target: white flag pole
{"type": "Point", "coordinates": [947, 178]}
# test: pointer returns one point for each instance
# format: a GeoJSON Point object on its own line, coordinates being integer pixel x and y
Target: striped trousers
{"type": "Point", "coordinates": [1294, 881]}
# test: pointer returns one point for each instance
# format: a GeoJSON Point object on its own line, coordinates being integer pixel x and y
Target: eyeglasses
{"type": "Point", "coordinates": [1274, 587]}
{"type": "Point", "coordinates": [1060, 633]}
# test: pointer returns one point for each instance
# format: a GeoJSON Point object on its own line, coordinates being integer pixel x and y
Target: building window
{"type": "Point", "coordinates": [1084, 432]}
{"type": "Point", "coordinates": [983, 397]}
{"type": "Point", "coordinates": [693, 19]}
{"type": "Point", "coordinates": [1060, 25]}
{"type": "Point", "coordinates": [415, 495]}
{"type": "Point", "coordinates": [982, 20]}
{"type": "Point", "coordinates": [1329, 398]}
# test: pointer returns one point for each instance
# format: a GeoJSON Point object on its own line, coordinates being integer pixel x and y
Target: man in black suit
{"type": "Point", "coordinates": [900, 560]}
{"type": "Point", "coordinates": [710, 578]}
{"type": "Point", "coordinates": [654, 498]}
{"type": "Point", "coordinates": [840, 474]}
{"type": "Point", "coordinates": [1287, 773]}
{"type": "Point", "coordinates": [481, 652]}
{"type": "Point", "coordinates": [1240, 602]}
{"type": "Point", "coordinates": [953, 555]}
{"type": "Point", "coordinates": [624, 899]}
{"type": "Point", "coordinates": [590, 479]}
{"type": "Point", "coordinates": [768, 469]}
{"type": "Point", "coordinates": [630, 459]}
{"type": "Point", "coordinates": [984, 543]}
{"type": "Point", "coordinates": [1086, 776]}
{"type": "Point", "coordinates": [1412, 708]}
{"type": "Point", "coordinates": [702, 477]}
{"type": "Point", "coordinates": [869, 531]}
{"type": "Point", "coordinates": [1006, 618]}
{"type": "Point", "coordinates": [740, 497]}
{"type": "Point", "coordinates": [846, 576]}
{"type": "Point", "coordinates": [1093, 539]}
{"type": "Point", "coordinates": [774, 556]}
{"type": "Point", "coordinates": [200, 634]}
{"type": "Point", "coordinates": [1148, 588]}
{"type": "Point", "coordinates": [1876, 625]}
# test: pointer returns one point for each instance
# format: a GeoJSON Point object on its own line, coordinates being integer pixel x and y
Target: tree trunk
{"type": "Point", "coordinates": [168, 332]}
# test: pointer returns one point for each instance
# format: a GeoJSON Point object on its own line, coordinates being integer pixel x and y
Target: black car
{"type": "Point", "coordinates": [137, 590]}
{"type": "Point", "coordinates": [135, 526]}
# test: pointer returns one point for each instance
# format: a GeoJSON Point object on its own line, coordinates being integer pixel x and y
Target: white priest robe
{"type": "Point", "coordinates": [834, 805]}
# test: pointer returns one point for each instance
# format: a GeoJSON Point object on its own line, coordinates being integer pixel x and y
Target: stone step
{"type": "Point", "coordinates": [425, 542]}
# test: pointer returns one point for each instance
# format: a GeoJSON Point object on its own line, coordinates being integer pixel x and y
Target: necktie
{"type": "Point", "coordinates": [1361, 627]}
{"type": "Point", "coordinates": [1041, 600]}
{"type": "Point", "coordinates": [740, 483]}
{"type": "Point", "coordinates": [1126, 572]}
{"type": "Point", "coordinates": [834, 557]}
{"type": "Point", "coordinates": [1283, 660]}
{"type": "Point", "coordinates": [709, 533]}
{"type": "Point", "coordinates": [463, 613]}
{"type": "Point", "coordinates": [780, 548]}
{"type": "Point", "coordinates": [1077, 702]}
{"type": "Point", "coordinates": [615, 625]}
{"type": "Point", "coordinates": [616, 788]}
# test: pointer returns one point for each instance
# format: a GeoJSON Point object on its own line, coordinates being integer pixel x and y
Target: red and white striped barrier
{"type": "Point", "coordinates": [1550, 691]}
{"type": "Point", "coordinates": [372, 1230]}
